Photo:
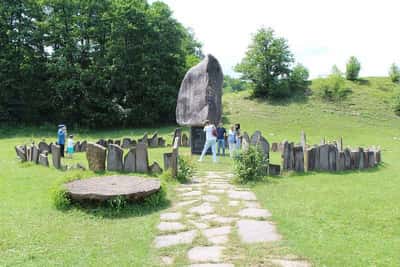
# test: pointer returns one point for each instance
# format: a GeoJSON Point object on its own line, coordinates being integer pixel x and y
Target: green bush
{"type": "Point", "coordinates": [186, 169]}
{"type": "Point", "coordinates": [157, 199]}
{"type": "Point", "coordinates": [250, 165]}
{"type": "Point", "coordinates": [394, 73]}
{"type": "Point", "coordinates": [298, 79]}
{"type": "Point", "coordinates": [117, 203]}
{"type": "Point", "coordinates": [353, 68]}
{"type": "Point", "coordinates": [333, 88]}
{"type": "Point", "coordinates": [61, 199]}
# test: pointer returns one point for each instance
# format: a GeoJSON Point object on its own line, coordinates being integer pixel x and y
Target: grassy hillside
{"type": "Point", "coordinates": [346, 219]}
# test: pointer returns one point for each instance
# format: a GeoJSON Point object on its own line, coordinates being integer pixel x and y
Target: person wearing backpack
{"type": "Point", "coordinates": [211, 140]}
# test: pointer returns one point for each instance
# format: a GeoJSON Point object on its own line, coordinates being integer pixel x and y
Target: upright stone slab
{"type": "Point", "coordinates": [114, 158]}
{"type": "Point", "coordinates": [255, 138]}
{"type": "Point", "coordinates": [20, 153]}
{"type": "Point", "coordinates": [288, 156]}
{"type": "Point", "coordinates": [56, 156]}
{"type": "Point", "coordinates": [366, 159]}
{"type": "Point", "coordinates": [155, 168]}
{"type": "Point", "coordinates": [200, 94]}
{"type": "Point", "coordinates": [126, 142]}
{"type": "Point", "coordinates": [311, 153]}
{"type": "Point", "coordinates": [43, 146]}
{"type": "Point", "coordinates": [84, 146]}
{"type": "Point", "coordinates": [303, 140]}
{"type": "Point", "coordinates": [298, 158]}
{"type": "Point", "coordinates": [50, 148]}
{"type": "Point", "coordinates": [130, 160]}
{"type": "Point", "coordinates": [144, 140]}
{"type": "Point", "coordinates": [371, 159]}
{"type": "Point", "coordinates": [153, 141]}
{"type": "Point", "coordinates": [142, 158]}
{"type": "Point", "coordinates": [35, 154]}
{"type": "Point", "coordinates": [378, 156]}
{"type": "Point", "coordinates": [174, 158]}
{"type": "Point", "coordinates": [317, 157]}
{"type": "Point", "coordinates": [274, 147]}
{"type": "Point", "coordinates": [28, 153]}
{"type": "Point", "coordinates": [355, 159]}
{"type": "Point", "coordinates": [264, 146]}
{"type": "Point", "coordinates": [161, 142]}
{"type": "Point", "coordinates": [274, 169]}
{"type": "Point", "coordinates": [340, 166]}
{"type": "Point", "coordinates": [117, 142]}
{"type": "Point", "coordinates": [347, 159]}
{"type": "Point", "coordinates": [245, 141]}
{"type": "Point", "coordinates": [102, 142]}
{"type": "Point", "coordinates": [77, 147]}
{"type": "Point", "coordinates": [96, 156]}
{"type": "Point", "coordinates": [43, 159]}
{"type": "Point", "coordinates": [167, 160]}
{"type": "Point", "coordinates": [178, 133]}
{"type": "Point", "coordinates": [324, 157]}
{"type": "Point", "coordinates": [333, 158]}
{"type": "Point", "coordinates": [340, 144]}
{"type": "Point", "coordinates": [185, 140]}
{"type": "Point", "coordinates": [362, 159]}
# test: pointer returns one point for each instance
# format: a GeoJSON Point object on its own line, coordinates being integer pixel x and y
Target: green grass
{"type": "Point", "coordinates": [346, 219]}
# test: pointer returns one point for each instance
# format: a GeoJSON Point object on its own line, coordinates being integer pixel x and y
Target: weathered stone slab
{"type": "Point", "coordinates": [288, 156]}
{"type": "Point", "coordinates": [274, 147]}
{"type": "Point", "coordinates": [43, 160]}
{"type": "Point", "coordinates": [144, 140]}
{"type": "Point", "coordinates": [77, 147]}
{"type": "Point", "coordinates": [255, 138]}
{"type": "Point", "coordinates": [205, 254]}
{"type": "Point", "coordinates": [355, 159]}
{"type": "Point", "coordinates": [251, 231]}
{"type": "Point", "coordinates": [28, 152]}
{"type": "Point", "coordinates": [142, 158]}
{"type": "Point", "coordinates": [126, 142]}
{"type": "Point", "coordinates": [371, 159]}
{"type": "Point", "coordinates": [153, 141]}
{"type": "Point", "coordinates": [347, 159]}
{"type": "Point", "coordinates": [255, 213]}
{"type": "Point", "coordinates": [245, 141]}
{"type": "Point", "coordinates": [324, 157]}
{"type": "Point", "coordinates": [114, 158]}
{"type": "Point", "coordinates": [21, 153]}
{"type": "Point", "coordinates": [35, 154]}
{"type": "Point", "coordinates": [130, 161]}
{"type": "Point", "coordinates": [378, 156]}
{"type": "Point", "coordinates": [175, 239]}
{"type": "Point", "coordinates": [43, 146]}
{"type": "Point", "coordinates": [274, 169]}
{"type": "Point", "coordinates": [84, 146]}
{"type": "Point", "coordinates": [96, 156]}
{"type": "Point", "coordinates": [333, 157]}
{"type": "Point", "coordinates": [155, 168]}
{"type": "Point", "coordinates": [200, 94]}
{"type": "Point", "coordinates": [311, 156]}
{"type": "Point", "coordinates": [341, 162]}
{"type": "Point", "coordinates": [185, 140]}
{"type": "Point", "coordinates": [107, 187]}
{"type": "Point", "coordinates": [56, 156]}
{"type": "Point", "coordinates": [298, 159]}
{"type": "Point", "coordinates": [362, 159]}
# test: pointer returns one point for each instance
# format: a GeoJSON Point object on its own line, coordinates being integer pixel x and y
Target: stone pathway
{"type": "Point", "coordinates": [206, 215]}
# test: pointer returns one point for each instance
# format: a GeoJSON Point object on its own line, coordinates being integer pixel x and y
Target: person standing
{"type": "Point", "coordinates": [238, 138]}
{"type": "Point", "coordinates": [231, 141]}
{"type": "Point", "coordinates": [221, 134]}
{"type": "Point", "coordinates": [70, 146]}
{"type": "Point", "coordinates": [61, 138]}
{"type": "Point", "coordinates": [211, 139]}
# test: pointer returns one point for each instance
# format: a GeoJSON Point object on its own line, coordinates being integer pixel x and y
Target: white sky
{"type": "Point", "coordinates": [320, 33]}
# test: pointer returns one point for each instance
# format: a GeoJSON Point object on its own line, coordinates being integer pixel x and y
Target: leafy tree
{"type": "Point", "coordinates": [267, 64]}
{"type": "Point", "coordinates": [333, 88]}
{"type": "Point", "coordinates": [353, 68]}
{"type": "Point", "coordinates": [394, 73]}
{"type": "Point", "coordinates": [299, 78]}
{"type": "Point", "coordinates": [233, 84]}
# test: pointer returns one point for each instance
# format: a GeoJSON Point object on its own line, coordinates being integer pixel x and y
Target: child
{"type": "Point", "coordinates": [70, 146]}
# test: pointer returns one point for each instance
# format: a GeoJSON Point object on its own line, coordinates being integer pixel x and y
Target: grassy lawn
{"type": "Point", "coordinates": [346, 219]}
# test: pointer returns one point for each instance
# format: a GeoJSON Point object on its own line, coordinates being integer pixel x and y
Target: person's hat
{"type": "Point", "coordinates": [61, 125]}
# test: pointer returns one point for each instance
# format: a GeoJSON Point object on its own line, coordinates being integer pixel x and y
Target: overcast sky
{"type": "Point", "coordinates": [320, 33]}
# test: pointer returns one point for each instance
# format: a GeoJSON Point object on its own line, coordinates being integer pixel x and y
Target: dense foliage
{"type": "Point", "coordinates": [232, 84]}
{"type": "Point", "coordinates": [268, 64]}
{"type": "Point", "coordinates": [250, 165]}
{"type": "Point", "coordinates": [333, 88]}
{"type": "Point", "coordinates": [353, 68]}
{"type": "Point", "coordinates": [394, 73]}
{"type": "Point", "coordinates": [91, 63]}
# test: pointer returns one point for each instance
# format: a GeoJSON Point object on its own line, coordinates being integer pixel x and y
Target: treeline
{"type": "Point", "coordinates": [91, 63]}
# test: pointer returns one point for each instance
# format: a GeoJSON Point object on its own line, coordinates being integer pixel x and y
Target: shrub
{"type": "Point", "coordinates": [250, 165]}
{"type": "Point", "coordinates": [117, 203]}
{"type": "Point", "coordinates": [353, 68]}
{"type": "Point", "coordinates": [299, 78]}
{"type": "Point", "coordinates": [394, 73]}
{"type": "Point", "coordinates": [185, 169]}
{"type": "Point", "coordinates": [61, 199]}
{"type": "Point", "coordinates": [157, 199]}
{"type": "Point", "coordinates": [333, 88]}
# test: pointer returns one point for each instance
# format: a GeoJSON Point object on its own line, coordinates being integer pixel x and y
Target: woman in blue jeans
{"type": "Point", "coordinates": [211, 138]}
{"type": "Point", "coordinates": [221, 133]}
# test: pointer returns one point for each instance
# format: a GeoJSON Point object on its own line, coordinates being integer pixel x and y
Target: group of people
{"type": "Point", "coordinates": [217, 137]}
{"type": "Point", "coordinates": [61, 134]}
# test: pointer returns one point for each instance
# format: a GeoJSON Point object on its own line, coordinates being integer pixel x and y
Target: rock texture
{"type": "Point", "coordinates": [96, 156]}
{"type": "Point", "coordinates": [114, 158]}
{"type": "Point", "coordinates": [200, 94]}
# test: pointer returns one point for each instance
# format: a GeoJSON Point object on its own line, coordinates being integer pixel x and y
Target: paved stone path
{"type": "Point", "coordinates": [205, 215]}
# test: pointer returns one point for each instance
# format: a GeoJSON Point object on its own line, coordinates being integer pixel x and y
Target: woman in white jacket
{"type": "Point", "coordinates": [211, 140]}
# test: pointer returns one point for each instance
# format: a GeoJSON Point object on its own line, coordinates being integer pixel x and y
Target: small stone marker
{"type": "Point", "coordinates": [20, 153]}
{"type": "Point", "coordinates": [96, 156]}
{"type": "Point", "coordinates": [84, 146]}
{"type": "Point", "coordinates": [114, 158]}
{"type": "Point", "coordinates": [130, 161]}
{"type": "Point", "coordinates": [298, 159]}
{"type": "Point", "coordinates": [35, 154]}
{"type": "Point", "coordinates": [274, 169]}
{"type": "Point", "coordinates": [144, 139]}
{"type": "Point", "coordinates": [274, 147]}
{"type": "Point", "coordinates": [324, 157]}
{"type": "Point", "coordinates": [43, 146]}
{"type": "Point", "coordinates": [245, 141]}
{"type": "Point", "coordinates": [77, 147]}
{"type": "Point", "coordinates": [185, 140]}
{"type": "Point", "coordinates": [126, 142]}
{"type": "Point", "coordinates": [56, 156]}
{"type": "Point", "coordinates": [340, 166]}
{"type": "Point", "coordinates": [153, 141]}
{"type": "Point", "coordinates": [347, 159]}
{"type": "Point", "coordinates": [355, 159]}
{"type": "Point", "coordinates": [333, 157]}
{"type": "Point", "coordinates": [155, 168]}
{"type": "Point", "coordinates": [142, 158]}
{"type": "Point", "coordinates": [43, 160]}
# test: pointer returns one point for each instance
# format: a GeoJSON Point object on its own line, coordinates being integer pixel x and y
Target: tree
{"type": "Point", "coordinates": [394, 73]}
{"type": "Point", "coordinates": [299, 78]}
{"type": "Point", "coordinates": [267, 64]}
{"type": "Point", "coordinates": [353, 68]}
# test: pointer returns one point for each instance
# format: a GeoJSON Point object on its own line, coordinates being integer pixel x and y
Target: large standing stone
{"type": "Point", "coordinates": [56, 156]}
{"type": "Point", "coordinates": [130, 161]}
{"type": "Point", "coordinates": [43, 159]}
{"type": "Point", "coordinates": [142, 158]}
{"type": "Point", "coordinates": [28, 152]}
{"type": "Point", "coordinates": [153, 141]}
{"type": "Point", "coordinates": [200, 94]}
{"type": "Point", "coordinates": [324, 157]}
{"type": "Point", "coordinates": [21, 153]}
{"type": "Point", "coordinates": [84, 146]}
{"type": "Point", "coordinates": [347, 159]}
{"type": "Point", "coordinates": [298, 159]}
{"type": "Point", "coordinates": [43, 146]}
{"type": "Point", "coordinates": [96, 156]}
{"type": "Point", "coordinates": [366, 159]}
{"type": "Point", "coordinates": [35, 154]}
{"type": "Point", "coordinates": [114, 158]}
{"type": "Point", "coordinates": [245, 141]}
